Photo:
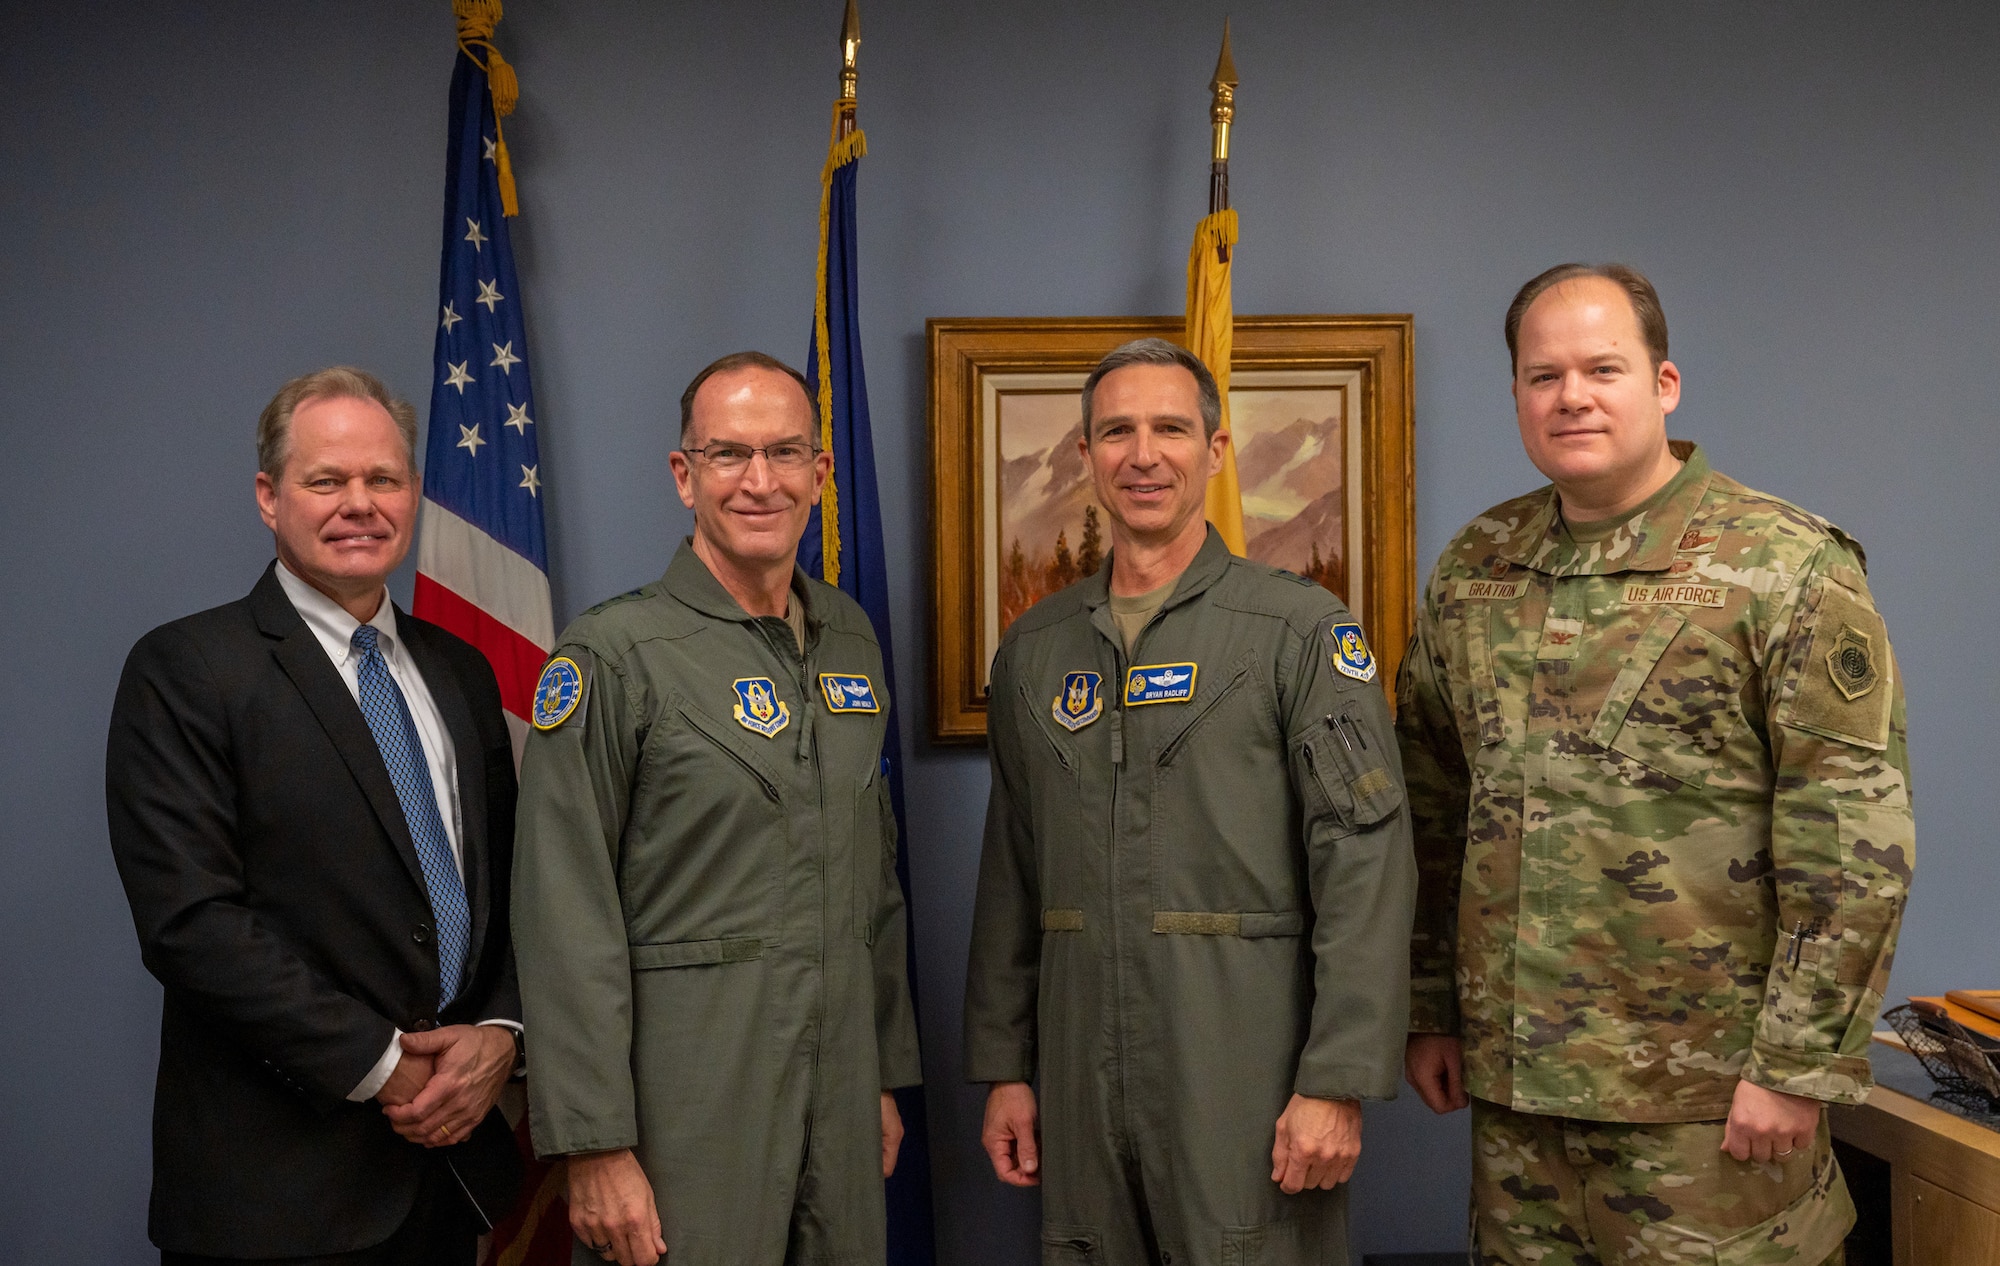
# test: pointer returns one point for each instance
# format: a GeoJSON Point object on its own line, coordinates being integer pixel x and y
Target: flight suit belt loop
{"type": "Point", "coordinates": [1207, 923]}
{"type": "Point", "coordinates": [1062, 920]}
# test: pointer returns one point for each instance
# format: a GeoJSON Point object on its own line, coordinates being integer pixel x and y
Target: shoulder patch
{"type": "Point", "coordinates": [1351, 656]}
{"type": "Point", "coordinates": [558, 694]}
{"type": "Point", "coordinates": [1844, 691]}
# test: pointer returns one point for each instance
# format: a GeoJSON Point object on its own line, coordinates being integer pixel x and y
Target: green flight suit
{"type": "Point", "coordinates": [707, 919]}
{"type": "Point", "coordinates": [1660, 783]}
{"type": "Point", "coordinates": [1191, 905]}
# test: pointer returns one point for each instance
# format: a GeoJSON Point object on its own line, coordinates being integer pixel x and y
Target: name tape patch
{"type": "Point", "coordinates": [1079, 702]}
{"type": "Point", "coordinates": [1159, 683]}
{"type": "Point", "coordinates": [1492, 590]}
{"type": "Point", "coordinates": [1676, 593]}
{"type": "Point", "coordinates": [849, 692]}
{"type": "Point", "coordinates": [1351, 656]}
{"type": "Point", "coordinates": [557, 693]}
{"type": "Point", "coordinates": [758, 708]}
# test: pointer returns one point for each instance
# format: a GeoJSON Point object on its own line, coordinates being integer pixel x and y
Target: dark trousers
{"type": "Point", "coordinates": [440, 1231]}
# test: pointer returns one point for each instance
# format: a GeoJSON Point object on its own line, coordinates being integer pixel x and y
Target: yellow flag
{"type": "Point", "coordinates": [1210, 332]}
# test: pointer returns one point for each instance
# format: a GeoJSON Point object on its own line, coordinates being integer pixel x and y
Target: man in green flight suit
{"type": "Point", "coordinates": [707, 918]}
{"type": "Point", "coordinates": [1195, 891]}
{"type": "Point", "coordinates": [1657, 767]}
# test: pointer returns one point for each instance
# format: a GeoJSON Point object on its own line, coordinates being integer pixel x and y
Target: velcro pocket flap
{"type": "Point", "coordinates": [739, 949]}
{"type": "Point", "coordinates": [1809, 1230]}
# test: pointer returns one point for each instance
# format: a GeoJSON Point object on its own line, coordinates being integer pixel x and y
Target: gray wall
{"type": "Point", "coordinates": [200, 200]}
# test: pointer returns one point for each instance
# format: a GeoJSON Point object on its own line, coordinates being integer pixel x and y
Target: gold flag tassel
{"type": "Point", "coordinates": [476, 20]}
{"type": "Point", "coordinates": [1210, 314]}
{"type": "Point", "coordinates": [847, 144]}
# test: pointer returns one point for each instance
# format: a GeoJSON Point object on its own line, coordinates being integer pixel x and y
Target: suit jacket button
{"type": "Point", "coordinates": [423, 1024]}
{"type": "Point", "coordinates": [422, 934]}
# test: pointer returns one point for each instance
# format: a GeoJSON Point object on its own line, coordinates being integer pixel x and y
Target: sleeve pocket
{"type": "Point", "coordinates": [1345, 776]}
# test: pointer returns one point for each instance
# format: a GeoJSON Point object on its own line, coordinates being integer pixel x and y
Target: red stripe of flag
{"type": "Point", "coordinates": [516, 661]}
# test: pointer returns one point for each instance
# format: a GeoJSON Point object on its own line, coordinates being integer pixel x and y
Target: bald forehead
{"type": "Point", "coordinates": [752, 392]}
{"type": "Point", "coordinates": [1588, 292]}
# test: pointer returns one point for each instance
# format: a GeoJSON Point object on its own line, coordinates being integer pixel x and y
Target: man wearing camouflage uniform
{"type": "Point", "coordinates": [705, 895]}
{"type": "Point", "coordinates": [1195, 893]}
{"type": "Point", "coordinates": [1655, 743]}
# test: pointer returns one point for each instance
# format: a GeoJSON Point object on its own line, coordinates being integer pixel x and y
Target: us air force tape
{"type": "Point", "coordinates": [558, 694]}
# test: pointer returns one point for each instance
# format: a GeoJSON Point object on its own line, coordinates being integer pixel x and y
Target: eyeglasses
{"type": "Point", "coordinates": [728, 459]}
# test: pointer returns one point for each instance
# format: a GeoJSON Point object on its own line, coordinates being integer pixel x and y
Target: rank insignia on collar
{"type": "Point", "coordinates": [758, 708]}
{"type": "Point", "coordinates": [1351, 656]}
{"type": "Point", "coordinates": [1159, 683]}
{"type": "Point", "coordinates": [848, 692]}
{"type": "Point", "coordinates": [1080, 701]}
{"type": "Point", "coordinates": [557, 693]}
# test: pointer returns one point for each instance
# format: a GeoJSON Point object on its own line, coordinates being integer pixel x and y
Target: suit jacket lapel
{"type": "Point", "coordinates": [449, 696]}
{"type": "Point", "coordinates": [304, 660]}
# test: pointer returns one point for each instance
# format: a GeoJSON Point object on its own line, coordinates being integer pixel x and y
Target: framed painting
{"type": "Point", "coordinates": [1320, 416]}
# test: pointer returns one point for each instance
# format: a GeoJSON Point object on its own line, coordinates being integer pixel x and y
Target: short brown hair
{"type": "Point", "coordinates": [1645, 303]}
{"type": "Point", "coordinates": [341, 382]}
{"type": "Point", "coordinates": [1157, 351]}
{"type": "Point", "coordinates": [746, 360]}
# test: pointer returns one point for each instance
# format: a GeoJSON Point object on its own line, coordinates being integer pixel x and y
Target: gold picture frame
{"type": "Point", "coordinates": [1322, 417]}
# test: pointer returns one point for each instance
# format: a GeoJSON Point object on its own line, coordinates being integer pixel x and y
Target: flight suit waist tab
{"type": "Point", "coordinates": [1250, 923]}
{"type": "Point", "coordinates": [696, 953]}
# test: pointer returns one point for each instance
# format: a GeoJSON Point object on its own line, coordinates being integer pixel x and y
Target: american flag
{"type": "Point", "coordinates": [482, 560]}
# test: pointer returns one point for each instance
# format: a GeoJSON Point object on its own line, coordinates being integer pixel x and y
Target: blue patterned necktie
{"type": "Point", "coordinates": [396, 735]}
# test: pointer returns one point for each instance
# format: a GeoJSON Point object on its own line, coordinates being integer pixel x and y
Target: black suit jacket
{"type": "Point", "coordinates": [279, 899]}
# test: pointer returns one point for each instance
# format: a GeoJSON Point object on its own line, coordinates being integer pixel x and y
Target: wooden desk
{"type": "Point", "coordinates": [1944, 1175]}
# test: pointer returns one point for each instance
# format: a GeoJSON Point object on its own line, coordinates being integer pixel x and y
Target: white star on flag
{"type": "Point", "coordinates": [517, 417]}
{"type": "Point", "coordinates": [458, 377]}
{"type": "Point", "coordinates": [472, 233]}
{"type": "Point", "coordinates": [469, 438]}
{"type": "Point", "coordinates": [504, 358]}
{"type": "Point", "coordinates": [450, 318]}
{"type": "Point", "coordinates": [530, 480]}
{"type": "Point", "coordinates": [489, 148]}
{"type": "Point", "coordinates": [489, 294]}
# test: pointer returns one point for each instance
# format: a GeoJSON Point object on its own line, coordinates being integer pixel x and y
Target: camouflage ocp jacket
{"type": "Point", "coordinates": [1659, 786]}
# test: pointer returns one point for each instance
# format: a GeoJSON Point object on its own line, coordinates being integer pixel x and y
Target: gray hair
{"type": "Point", "coordinates": [1157, 351]}
{"type": "Point", "coordinates": [341, 382]}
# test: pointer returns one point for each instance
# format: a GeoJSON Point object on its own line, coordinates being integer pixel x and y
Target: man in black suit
{"type": "Point", "coordinates": [311, 799]}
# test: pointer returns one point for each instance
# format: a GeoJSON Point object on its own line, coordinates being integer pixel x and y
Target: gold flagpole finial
{"type": "Point", "coordinates": [850, 50]}
{"type": "Point", "coordinates": [1222, 108]}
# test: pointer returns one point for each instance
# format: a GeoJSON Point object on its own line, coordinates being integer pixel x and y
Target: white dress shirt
{"type": "Point", "coordinates": [334, 628]}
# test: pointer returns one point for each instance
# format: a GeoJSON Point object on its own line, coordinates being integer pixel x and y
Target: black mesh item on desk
{"type": "Point", "coordinates": [1964, 1074]}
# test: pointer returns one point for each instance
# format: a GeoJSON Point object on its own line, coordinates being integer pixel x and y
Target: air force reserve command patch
{"type": "Point", "coordinates": [1350, 652]}
{"type": "Point", "coordinates": [557, 694]}
{"type": "Point", "coordinates": [758, 708]}
{"type": "Point", "coordinates": [1079, 702]}
{"type": "Point", "coordinates": [848, 692]}
{"type": "Point", "coordinates": [1159, 683]}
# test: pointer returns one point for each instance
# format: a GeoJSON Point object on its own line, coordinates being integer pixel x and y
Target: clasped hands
{"type": "Point", "coordinates": [1316, 1141]}
{"type": "Point", "coordinates": [446, 1082]}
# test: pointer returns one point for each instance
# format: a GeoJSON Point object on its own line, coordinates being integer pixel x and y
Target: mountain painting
{"type": "Point", "coordinates": [1291, 430]}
